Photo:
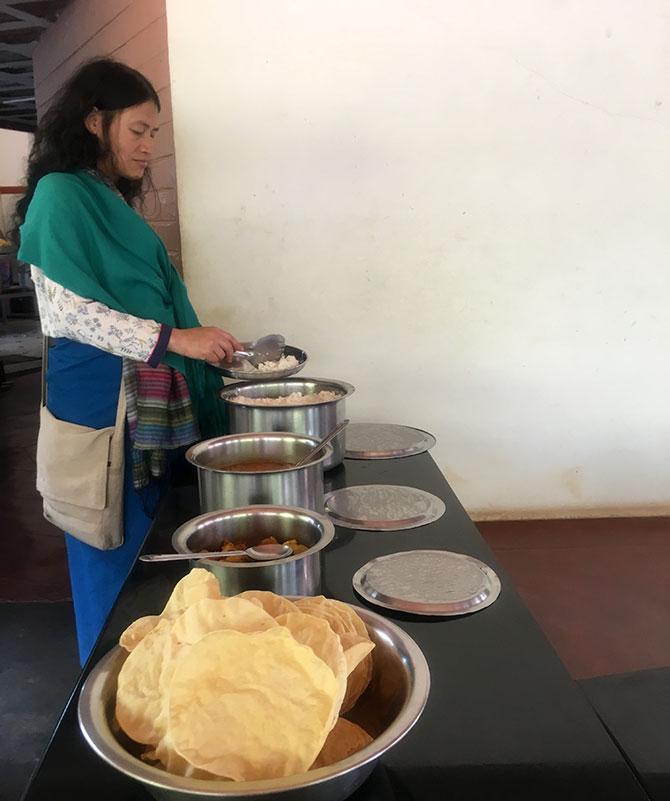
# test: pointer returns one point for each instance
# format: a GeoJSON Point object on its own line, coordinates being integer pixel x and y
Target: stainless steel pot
{"type": "Point", "coordinates": [299, 574]}
{"type": "Point", "coordinates": [291, 486]}
{"type": "Point", "coordinates": [315, 420]}
{"type": "Point", "coordinates": [388, 709]}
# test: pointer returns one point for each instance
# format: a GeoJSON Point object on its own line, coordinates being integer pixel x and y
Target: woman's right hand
{"type": "Point", "coordinates": [208, 343]}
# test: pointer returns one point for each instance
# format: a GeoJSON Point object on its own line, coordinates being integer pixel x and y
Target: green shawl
{"type": "Point", "coordinates": [83, 236]}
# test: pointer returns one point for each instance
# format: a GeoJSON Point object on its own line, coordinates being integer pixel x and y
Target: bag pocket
{"type": "Point", "coordinates": [72, 461]}
{"type": "Point", "coordinates": [80, 478]}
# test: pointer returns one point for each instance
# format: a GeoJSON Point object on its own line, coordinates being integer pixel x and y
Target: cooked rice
{"type": "Point", "coordinates": [294, 399]}
{"type": "Point", "coordinates": [285, 363]}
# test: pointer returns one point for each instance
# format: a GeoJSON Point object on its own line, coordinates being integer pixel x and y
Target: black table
{"type": "Point", "coordinates": [503, 720]}
{"type": "Point", "coordinates": [635, 708]}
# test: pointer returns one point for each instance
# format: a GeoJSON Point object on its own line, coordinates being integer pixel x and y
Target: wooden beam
{"type": "Point", "coordinates": [26, 125]}
{"type": "Point", "coordinates": [18, 78]}
{"type": "Point", "coordinates": [5, 121]}
{"type": "Point", "coordinates": [19, 49]}
{"type": "Point", "coordinates": [18, 64]}
{"type": "Point", "coordinates": [17, 26]}
{"type": "Point", "coordinates": [35, 22]}
{"type": "Point", "coordinates": [17, 114]}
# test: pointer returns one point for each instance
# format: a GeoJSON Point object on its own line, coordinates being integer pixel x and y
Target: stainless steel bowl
{"type": "Point", "coordinates": [315, 420]}
{"type": "Point", "coordinates": [388, 709]}
{"type": "Point", "coordinates": [233, 370]}
{"type": "Point", "coordinates": [299, 574]}
{"type": "Point", "coordinates": [291, 486]}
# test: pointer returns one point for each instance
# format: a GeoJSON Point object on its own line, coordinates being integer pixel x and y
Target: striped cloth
{"type": "Point", "coordinates": [160, 417]}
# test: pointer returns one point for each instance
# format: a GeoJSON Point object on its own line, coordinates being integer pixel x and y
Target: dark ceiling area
{"type": "Point", "coordinates": [21, 25]}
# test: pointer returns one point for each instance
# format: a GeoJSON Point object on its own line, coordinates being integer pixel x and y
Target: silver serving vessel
{"type": "Point", "coordinates": [388, 709]}
{"type": "Point", "coordinates": [315, 419]}
{"type": "Point", "coordinates": [290, 486]}
{"type": "Point", "coordinates": [234, 370]}
{"type": "Point", "coordinates": [299, 574]}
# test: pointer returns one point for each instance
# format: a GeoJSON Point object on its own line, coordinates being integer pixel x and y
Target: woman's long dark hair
{"type": "Point", "coordinates": [62, 141]}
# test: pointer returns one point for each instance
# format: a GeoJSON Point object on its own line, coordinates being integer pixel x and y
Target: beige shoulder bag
{"type": "Point", "coordinates": [80, 472]}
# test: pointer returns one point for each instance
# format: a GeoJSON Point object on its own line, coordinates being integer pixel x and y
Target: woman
{"type": "Point", "coordinates": [127, 346]}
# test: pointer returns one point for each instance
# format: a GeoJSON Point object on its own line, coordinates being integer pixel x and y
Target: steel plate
{"type": "Point", "coordinates": [441, 583]}
{"type": "Point", "coordinates": [383, 507]}
{"type": "Point", "coordinates": [385, 441]}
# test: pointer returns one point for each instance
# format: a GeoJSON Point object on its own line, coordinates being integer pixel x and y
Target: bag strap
{"type": "Point", "coordinates": [119, 425]}
{"type": "Point", "coordinates": [46, 344]}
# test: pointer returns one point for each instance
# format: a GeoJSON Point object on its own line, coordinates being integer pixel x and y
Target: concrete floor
{"type": "Point", "coordinates": [38, 670]}
{"type": "Point", "coordinates": [38, 650]}
{"type": "Point", "coordinates": [598, 588]}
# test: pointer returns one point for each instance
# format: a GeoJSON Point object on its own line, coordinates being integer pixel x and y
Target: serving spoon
{"type": "Point", "coordinates": [323, 442]}
{"type": "Point", "coordinates": [269, 348]}
{"type": "Point", "coordinates": [259, 553]}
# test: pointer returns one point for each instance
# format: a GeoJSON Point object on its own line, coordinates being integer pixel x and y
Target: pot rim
{"type": "Point", "coordinates": [327, 532]}
{"type": "Point", "coordinates": [347, 389]}
{"type": "Point", "coordinates": [191, 453]}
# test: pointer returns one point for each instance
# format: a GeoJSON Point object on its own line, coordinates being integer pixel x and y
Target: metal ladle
{"type": "Point", "coordinates": [265, 349]}
{"type": "Point", "coordinates": [323, 442]}
{"type": "Point", "coordinates": [259, 553]}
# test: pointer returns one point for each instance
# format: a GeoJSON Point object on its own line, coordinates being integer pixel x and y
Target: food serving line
{"type": "Point", "coordinates": [503, 720]}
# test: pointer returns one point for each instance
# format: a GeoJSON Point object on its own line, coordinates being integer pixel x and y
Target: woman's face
{"type": "Point", "coordinates": [131, 139]}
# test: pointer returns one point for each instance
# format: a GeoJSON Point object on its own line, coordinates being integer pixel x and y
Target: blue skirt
{"type": "Point", "coordinates": [83, 385]}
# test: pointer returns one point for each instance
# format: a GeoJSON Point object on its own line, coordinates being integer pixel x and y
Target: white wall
{"type": "Point", "coordinates": [461, 208]}
{"type": "Point", "coordinates": [14, 149]}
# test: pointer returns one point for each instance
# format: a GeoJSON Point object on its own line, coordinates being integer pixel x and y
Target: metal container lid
{"type": "Point", "coordinates": [441, 583]}
{"type": "Point", "coordinates": [385, 441]}
{"type": "Point", "coordinates": [383, 507]}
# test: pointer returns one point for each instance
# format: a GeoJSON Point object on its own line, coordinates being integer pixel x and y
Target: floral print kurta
{"type": "Point", "coordinates": [66, 314]}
